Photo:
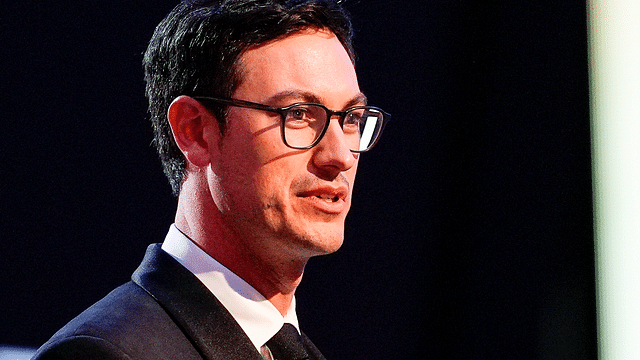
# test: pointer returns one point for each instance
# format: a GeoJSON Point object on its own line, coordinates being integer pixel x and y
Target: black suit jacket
{"type": "Point", "coordinates": [165, 312]}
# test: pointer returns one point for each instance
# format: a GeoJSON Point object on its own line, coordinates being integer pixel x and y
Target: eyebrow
{"type": "Point", "coordinates": [305, 96]}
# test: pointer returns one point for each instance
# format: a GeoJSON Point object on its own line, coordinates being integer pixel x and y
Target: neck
{"type": "Point", "coordinates": [275, 277]}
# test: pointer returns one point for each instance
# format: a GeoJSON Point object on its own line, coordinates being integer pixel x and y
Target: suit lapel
{"type": "Point", "coordinates": [212, 330]}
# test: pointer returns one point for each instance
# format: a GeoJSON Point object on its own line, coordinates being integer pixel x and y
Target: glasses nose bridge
{"type": "Point", "coordinates": [340, 114]}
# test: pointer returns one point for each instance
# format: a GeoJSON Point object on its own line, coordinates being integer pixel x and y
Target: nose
{"type": "Point", "coordinates": [332, 154]}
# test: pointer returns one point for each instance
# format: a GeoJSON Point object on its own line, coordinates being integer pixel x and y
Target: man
{"type": "Point", "coordinates": [259, 123]}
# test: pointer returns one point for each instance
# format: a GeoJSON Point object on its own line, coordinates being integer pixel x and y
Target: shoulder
{"type": "Point", "coordinates": [79, 347]}
{"type": "Point", "coordinates": [126, 324]}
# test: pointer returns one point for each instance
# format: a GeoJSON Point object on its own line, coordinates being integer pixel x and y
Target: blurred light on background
{"type": "Point", "coordinates": [614, 35]}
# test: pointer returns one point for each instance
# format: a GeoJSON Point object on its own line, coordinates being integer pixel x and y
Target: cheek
{"type": "Point", "coordinates": [273, 181]}
{"type": "Point", "coordinates": [278, 165]}
{"type": "Point", "coordinates": [351, 173]}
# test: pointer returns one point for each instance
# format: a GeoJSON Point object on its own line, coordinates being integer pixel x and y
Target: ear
{"type": "Point", "coordinates": [195, 130]}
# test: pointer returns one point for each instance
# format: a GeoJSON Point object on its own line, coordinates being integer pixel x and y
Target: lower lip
{"type": "Point", "coordinates": [328, 207]}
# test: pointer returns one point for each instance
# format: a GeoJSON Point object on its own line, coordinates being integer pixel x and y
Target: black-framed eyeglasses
{"type": "Point", "coordinates": [304, 124]}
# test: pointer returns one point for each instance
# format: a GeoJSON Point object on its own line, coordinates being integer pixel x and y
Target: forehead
{"type": "Point", "coordinates": [311, 61]}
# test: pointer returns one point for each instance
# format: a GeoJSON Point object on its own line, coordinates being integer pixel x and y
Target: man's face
{"type": "Point", "coordinates": [278, 200]}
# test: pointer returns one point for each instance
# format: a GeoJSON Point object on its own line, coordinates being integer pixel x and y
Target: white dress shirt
{"type": "Point", "coordinates": [259, 319]}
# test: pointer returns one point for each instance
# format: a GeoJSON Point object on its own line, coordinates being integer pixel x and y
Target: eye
{"type": "Point", "coordinates": [297, 114]}
{"type": "Point", "coordinates": [297, 118]}
{"type": "Point", "coordinates": [352, 120]}
{"type": "Point", "coordinates": [303, 116]}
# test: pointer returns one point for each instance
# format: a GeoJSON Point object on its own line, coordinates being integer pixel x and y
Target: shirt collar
{"type": "Point", "coordinates": [257, 317]}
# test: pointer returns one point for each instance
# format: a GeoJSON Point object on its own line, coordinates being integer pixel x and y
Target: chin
{"type": "Point", "coordinates": [323, 242]}
{"type": "Point", "coordinates": [313, 237]}
{"type": "Point", "coordinates": [330, 247]}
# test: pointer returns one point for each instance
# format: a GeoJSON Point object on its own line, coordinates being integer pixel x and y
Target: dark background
{"type": "Point", "coordinates": [470, 236]}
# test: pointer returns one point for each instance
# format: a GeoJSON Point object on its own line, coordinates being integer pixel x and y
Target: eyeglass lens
{"type": "Point", "coordinates": [304, 124]}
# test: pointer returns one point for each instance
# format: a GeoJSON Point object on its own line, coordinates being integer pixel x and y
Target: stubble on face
{"type": "Point", "coordinates": [281, 222]}
{"type": "Point", "coordinates": [267, 189]}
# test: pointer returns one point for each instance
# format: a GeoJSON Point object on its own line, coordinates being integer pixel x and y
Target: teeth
{"type": "Point", "coordinates": [328, 198]}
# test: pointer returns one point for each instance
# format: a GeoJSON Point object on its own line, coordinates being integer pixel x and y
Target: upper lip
{"type": "Point", "coordinates": [340, 192]}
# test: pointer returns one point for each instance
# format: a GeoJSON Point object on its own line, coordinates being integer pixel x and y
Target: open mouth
{"type": "Point", "coordinates": [328, 203]}
{"type": "Point", "coordinates": [328, 198]}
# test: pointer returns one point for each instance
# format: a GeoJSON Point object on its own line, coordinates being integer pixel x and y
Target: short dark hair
{"type": "Point", "coordinates": [194, 52]}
